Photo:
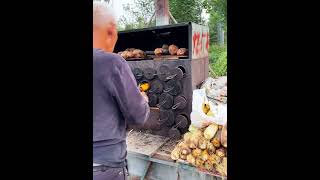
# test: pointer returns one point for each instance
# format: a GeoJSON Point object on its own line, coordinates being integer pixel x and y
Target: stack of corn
{"type": "Point", "coordinates": [204, 149]}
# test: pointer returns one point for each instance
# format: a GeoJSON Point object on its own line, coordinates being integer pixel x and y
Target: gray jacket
{"type": "Point", "coordinates": [116, 103]}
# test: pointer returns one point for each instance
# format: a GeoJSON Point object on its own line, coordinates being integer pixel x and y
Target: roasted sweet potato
{"type": "Point", "coordinates": [182, 52]}
{"type": "Point", "coordinates": [158, 51]}
{"type": "Point", "coordinates": [173, 49]}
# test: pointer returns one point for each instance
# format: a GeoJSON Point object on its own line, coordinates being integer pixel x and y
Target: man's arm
{"type": "Point", "coordinates": [132, 104]}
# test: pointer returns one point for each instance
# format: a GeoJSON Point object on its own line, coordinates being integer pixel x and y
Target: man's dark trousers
{"type": "Point", "coordinates": [108, 173]}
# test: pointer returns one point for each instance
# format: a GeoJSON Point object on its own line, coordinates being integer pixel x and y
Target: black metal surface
{"type": "Point", "coordinates": [190, 40]}
{"type": "Point", "coordinates": [149, 73]}
{"type": "Point", "coordinates": [166, 117]}
{"type": "Point", "coordinates": [156, 86]}
{"type": "Point", "coordinates": [144, 81]}
{"type": "Point", "coordinates": [149, 52]}
{"type": "Point", "coordinates": [148, 39]}
{"type": "Point", "coordinates": [165, 101]}
{"type": "Point", "coordinates": [178, 78]}
{"type": "Point", "coordinates": [138, 73]}
{"type": "Point", "coordinates": [164, 72]}
{"type": "Point", "coordinates": [194, 71]}
{"type": "Point", "coordinates": [181, 121]}
{"type": "Point", "coordinates": [174, 133]}
{"type": "Point", "coordinates": [176, 74]}
{"type": "Point", "coordinates": [183, 69]}
{"type": "Point", "coordinates": [184, 24]}
{"type": "Point", "coordinates": [179, 102]}
{"type": "Point", "coordinates": [153, 99]}
{"type": "Point", "coordinates": [173, 87]}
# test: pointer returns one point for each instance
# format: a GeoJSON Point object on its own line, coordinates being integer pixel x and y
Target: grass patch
{"type": "Point", "coordinates": [218, 60]}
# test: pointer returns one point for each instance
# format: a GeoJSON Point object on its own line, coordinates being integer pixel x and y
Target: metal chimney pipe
{"type": "Point", "coordinates": [162, 12]}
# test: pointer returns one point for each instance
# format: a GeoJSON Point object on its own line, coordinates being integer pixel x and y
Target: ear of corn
{"type": "Point", "coordinates": [191, 159]}
{"type": "Point", "coordinates": [205, 108]}
{"type": "Point", "coordinates": [210, 131]}
{"type": "Point", "coordinates": [196, 152]}
{"type": "Point", "coordinates": [202, 148]}
{"type": "Point", "coordinates": [144, 87]}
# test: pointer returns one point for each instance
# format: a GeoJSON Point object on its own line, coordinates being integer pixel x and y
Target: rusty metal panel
{"type": "Point", "coordinates": [200, 71]}
{"type": "Point", "coordinates": [195, 72]}
{"type": "Point", "coordinates": [200, 41]}
{"type": "Point", "coordinates": [189, 73]}
{"type": "Point", "coordinates": [192, 36]}
{"type": "Point", "coordinates": [186, 90]}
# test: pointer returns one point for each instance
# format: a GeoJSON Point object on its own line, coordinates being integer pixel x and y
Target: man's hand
{"type": "Point", "coordinates": [143, 94]}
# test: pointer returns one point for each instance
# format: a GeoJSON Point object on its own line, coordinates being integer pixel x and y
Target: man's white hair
{"type": "Point", "coordinates": [102, 14]}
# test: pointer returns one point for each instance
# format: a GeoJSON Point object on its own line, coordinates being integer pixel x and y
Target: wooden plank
{"type": "Point", "coordinates": [164, 153]}
{"type": "Point", "coordinates": [132, 177]}
{"type": "Point", "coordinates": [185, 165]}
{"type": "Point", "coordinates": [143, 143]}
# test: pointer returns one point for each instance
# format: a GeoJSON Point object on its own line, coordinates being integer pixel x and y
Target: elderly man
{"type": "Point", "coordinates": [117, 100]}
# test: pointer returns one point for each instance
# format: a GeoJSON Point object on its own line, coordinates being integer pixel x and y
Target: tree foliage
{"type": "Point", "coordinates": [137, 15]}
{"type": "Point", "coordinates": [218, 14]}
{"type": "Point", "coordinates": [218, 60]}
{"type": "Point", "coordinates": [187, 10]}
{"type": "Point", "coordinates": [217, 8]}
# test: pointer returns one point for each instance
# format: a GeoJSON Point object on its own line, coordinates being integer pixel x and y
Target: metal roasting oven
{"type": "Point", "coordinates": [171, 80]}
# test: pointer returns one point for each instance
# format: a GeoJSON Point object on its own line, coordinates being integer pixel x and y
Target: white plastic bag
{"type": "Point", "coordinates": [198, 118]}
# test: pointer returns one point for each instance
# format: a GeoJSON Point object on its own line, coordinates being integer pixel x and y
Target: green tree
{"type": "Point", "coordinates": [216, 7]}
{"type": "Point", "coordinates": [218, 14]}
{"type": "Point", "coordinates": [138, 14]}
{"type": "Point", "coordinates": [217, 54]}
{"type": "Point", "coordinates": [187, 10]}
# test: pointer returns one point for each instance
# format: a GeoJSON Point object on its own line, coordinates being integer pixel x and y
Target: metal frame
{"type": "Point", "coordinates": [156, 169]}
{"type": "Point", "coordinates": [158, 27]}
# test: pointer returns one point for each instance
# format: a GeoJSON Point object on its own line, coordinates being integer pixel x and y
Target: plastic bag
{"type": "Point", "coordinates": [198, 118]}
{"type": "Point", "coordinates": [216, 89]}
